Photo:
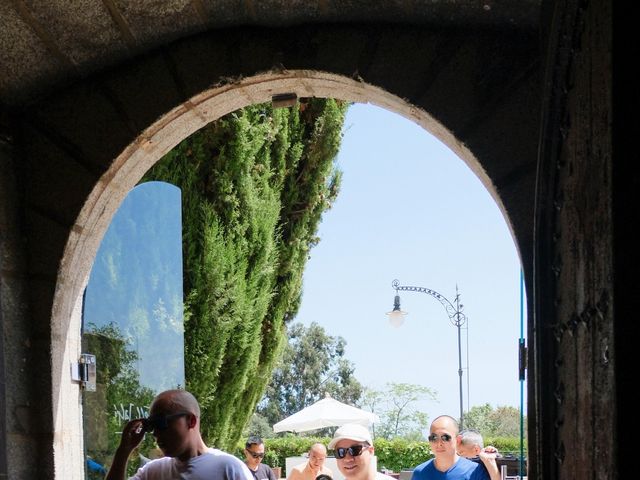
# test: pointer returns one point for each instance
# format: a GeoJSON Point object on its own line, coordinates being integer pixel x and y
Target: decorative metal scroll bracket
{"type": "Point", "coordinates": [454, 312]}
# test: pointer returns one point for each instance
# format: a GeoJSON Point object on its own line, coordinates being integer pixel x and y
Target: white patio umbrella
{"type": "Point", "coordinates": [327, 412]}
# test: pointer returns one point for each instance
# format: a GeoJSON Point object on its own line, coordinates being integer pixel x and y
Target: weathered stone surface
{"type": "Point", "coordinates": [95, 92]}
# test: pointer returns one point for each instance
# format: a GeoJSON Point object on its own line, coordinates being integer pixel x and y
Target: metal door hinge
{"type": "Point", "coordinates": [85, 372]}
{"type": "Point", "coordinates": [522, 359]}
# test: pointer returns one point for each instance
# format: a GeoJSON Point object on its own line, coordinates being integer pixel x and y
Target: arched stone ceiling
{"type": "Point", "coordinates": [50, 43]}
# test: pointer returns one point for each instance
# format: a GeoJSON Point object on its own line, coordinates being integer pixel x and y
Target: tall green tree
{"type": "Point", "coordinates": [396, 406]}
{"type": "Point", "coordinates": [254, 186]}
{"type": "Point", "coordinates": [502, 421]}
{"type": "Point", "coordinates": [312, 366]}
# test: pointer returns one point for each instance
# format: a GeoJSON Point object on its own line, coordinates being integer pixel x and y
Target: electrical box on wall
{"type": "Point", "coordinates": [85, 372]}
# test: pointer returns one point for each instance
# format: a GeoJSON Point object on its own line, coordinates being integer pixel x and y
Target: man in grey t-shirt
{"type": "Point", "coordinates": [174, 420]}
{"type": "Point", "coordinates": [253, 454]}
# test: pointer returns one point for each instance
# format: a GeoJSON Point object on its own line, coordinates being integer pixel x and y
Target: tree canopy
{"type": "Point", "coordinates": [254, 186]}
{"type": "Point", "coordinates": [503, 421]}
{"type": "Point", "coordinates": [396, 406]}
{"type": "Point", "coordinates": [313, 364]}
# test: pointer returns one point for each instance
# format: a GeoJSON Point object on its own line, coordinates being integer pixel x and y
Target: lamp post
{"type": "Point", "coordinates": [454, 312]}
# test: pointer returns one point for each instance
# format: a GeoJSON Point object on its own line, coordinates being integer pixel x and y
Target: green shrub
{"type": "Point", "coordinates": [278, 449]}
{"type": "Point", "coordinates": [392, 454]}
{"type": "Point", "coordinates": [395, 455]}
{"type": "Point", "coordinates": [400, 454]}
{"type": "Point", "coordinates": [506, 445]}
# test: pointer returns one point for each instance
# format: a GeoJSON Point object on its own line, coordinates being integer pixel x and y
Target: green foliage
{"type": "Point", "coordinates": [254, 186]}
{"type": "Point", "coordinates": [506, 445]}
{"type": "Point", "coordinates": [477, 418]}
{"type": "Point", "coordinates": [502, 421]}
{"type": "Point", "coordinates": [505, 421]}
{"type": "Point", "coordinates": [400, 454]}
{"type": "Point", "coordinates": [313, 364]}
{"type": "Point", "coordinates": [396, 455]}
{"type": "Point", "coordinates": [118, 387]}
{"type": "Point", "coordinates": [396, 408]}
{"type": "Point", "coordinates": [278, 449]}
{"type": "Point", "coordinates": [258, 426]}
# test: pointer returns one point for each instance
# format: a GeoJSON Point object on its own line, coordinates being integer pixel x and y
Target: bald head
{"type": "Point", "coordinates": [445, 422]}
{"type": "Point", "coordinates": [318, 448]}
{"type": "Point", "coordinates": [317, 456]}
{"type": "Point", "coordinates": [173, 401]}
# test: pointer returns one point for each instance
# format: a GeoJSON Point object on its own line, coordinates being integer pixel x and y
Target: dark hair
{"type": "Point", "coordinates": [253, 440]}
{"type": "Point", "coordinates": [323, 476]}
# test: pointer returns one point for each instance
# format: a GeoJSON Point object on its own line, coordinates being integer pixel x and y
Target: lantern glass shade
{"type": "Point", "coordinates": [396, 317]}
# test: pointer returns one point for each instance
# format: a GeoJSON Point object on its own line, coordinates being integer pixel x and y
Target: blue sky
{"type": "Point", "coordinates": [410, 209]}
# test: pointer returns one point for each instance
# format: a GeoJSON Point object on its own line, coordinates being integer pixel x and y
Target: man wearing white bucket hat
{"type": "Point", "coordinates": [353, 447]}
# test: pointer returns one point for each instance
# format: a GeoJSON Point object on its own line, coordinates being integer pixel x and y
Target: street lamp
{"type": "Point", "coordinates": [454, 312]}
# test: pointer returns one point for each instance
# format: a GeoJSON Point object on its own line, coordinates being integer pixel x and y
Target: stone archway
{"type": "Point", "coordinates": [127, 169]}
{"type": "Point", "coordinates": [89, 143]}
{"type": "Point", "coordinates": [482, 82]}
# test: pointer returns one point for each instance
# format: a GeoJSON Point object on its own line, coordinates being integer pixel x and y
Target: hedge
{"type": "Point", "coordinates": [394, 455]}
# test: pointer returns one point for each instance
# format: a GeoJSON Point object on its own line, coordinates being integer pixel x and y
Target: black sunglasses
{"type": "Point", "coordinates": [353, 450]}
{"type": "Point", "coordinates": [255, 455]}
{"type": "Point", "coordinates": [445, 437]}
{"type": "Point", "coordinates": [160, 422]}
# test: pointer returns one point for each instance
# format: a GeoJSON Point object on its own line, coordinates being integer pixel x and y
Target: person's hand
{"type": "Point", "coordinates": [132, 434]}
{"type": "Point", "coordinates": [489, 452]}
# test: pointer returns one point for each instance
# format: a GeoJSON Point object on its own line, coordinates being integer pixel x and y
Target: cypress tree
{"type": "Point", "coordinates": [254, 186]}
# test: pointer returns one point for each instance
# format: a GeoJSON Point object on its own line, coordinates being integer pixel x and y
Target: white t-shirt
{"type": "Point", "coordinates": [212, 465]}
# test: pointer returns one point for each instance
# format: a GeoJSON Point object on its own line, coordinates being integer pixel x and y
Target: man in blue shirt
{"type": "Point", "coordinates": [447, 464]}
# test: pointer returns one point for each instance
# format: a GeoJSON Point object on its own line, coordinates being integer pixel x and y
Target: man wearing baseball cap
{"type": "Point", "coordinates": [353, 447]}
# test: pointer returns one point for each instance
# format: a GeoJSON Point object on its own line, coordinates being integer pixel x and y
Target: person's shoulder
{"type": "Point", "coordinates": [299, 469]}
{"type": "Point", "coordinates": [422, 467]}
{"type": "Point", "coordinates": [265, 468]}
{"type": "Point", "coordinates": [232, 464]}
{"type": "Point", "coordinates": [156, 462]}
{"type": "Point", "coordinates": [225, 457]}
{"type": "Point", "coordinates": [476, 467]}
{"type": "Point", "coordinates": [477, 460]}
{"type": "Point", "coordinates": [217, 451]}
{"type": "Point", "coordinates": [293, 474]}
{"type": "Point", "coordinates": [221, 453]}
{"type": "Point", "coordinates": [468, 460]}
{"type": "Point", "coordinates": [468, 463]}
{"type": "Point", "coordinates": [153, 467]}
{"type": "Point", "coordinates": [382, 476]}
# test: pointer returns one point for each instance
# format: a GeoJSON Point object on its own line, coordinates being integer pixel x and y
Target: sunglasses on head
{"type": "Point", "coordinates": [255, 455]}
{"type": "Point", "coordinates": [445, 437]}
{"type": "Point", "coordinates": [353, 450]}
{"type": "Point", "coordinates": [156, 423]}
